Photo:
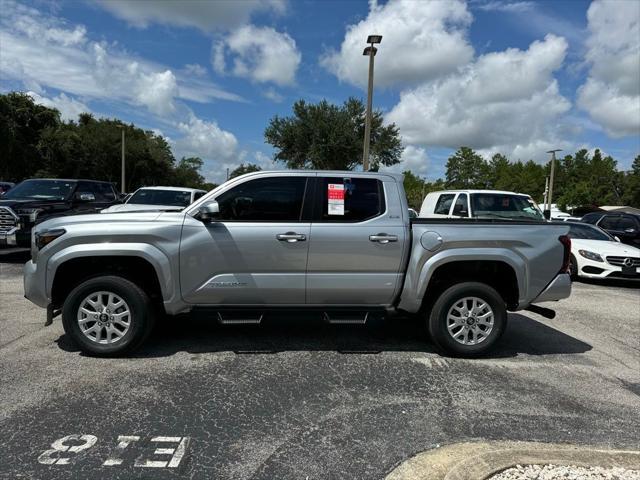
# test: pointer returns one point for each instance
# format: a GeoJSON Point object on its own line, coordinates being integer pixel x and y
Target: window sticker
{"type": "Point", "coordinates": [335, 198]}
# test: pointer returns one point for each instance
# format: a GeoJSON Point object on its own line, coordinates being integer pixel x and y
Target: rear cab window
{"type": "Point", "coordinates": [461, 207]}
{"type": "Point", "coordinates": [350, 200]}
{"type": "Point", "coordinates": [443, 205]}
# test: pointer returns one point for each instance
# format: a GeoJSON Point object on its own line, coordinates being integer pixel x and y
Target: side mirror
{"type": "Point", "coordinates": [208, 212]}
{"type": "Point", "coordinates": [617, 239]}
{"type": "Point", "coordinates": [629, 230]}
{"type": "Point", "coordinates": [85, 197]}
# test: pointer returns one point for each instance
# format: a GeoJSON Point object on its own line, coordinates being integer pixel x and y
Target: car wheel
{"type": "Point", "coordinates": [108, 316]}
{"type": "Point", "coordinates": [573, 267]}
{"type": "Point", "coordinates": [467, 319]}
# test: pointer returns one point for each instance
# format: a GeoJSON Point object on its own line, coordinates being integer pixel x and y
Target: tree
{"type": "Point", "coordinates": [416, 188]}
{"type": "Point", "coordinates": [467, 169]}
{"type": "Point", "coordinates": [326, 136]}
{"type": "Point", "coordinates": [187, 173]}
{"type": "Point", "coordinates": [242, 169]}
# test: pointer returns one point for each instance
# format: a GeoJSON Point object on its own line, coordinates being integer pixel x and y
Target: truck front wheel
{"type": "Point", "coordinates": [107, 316]}
{"type": "Point", "coordinates": [467, 319]}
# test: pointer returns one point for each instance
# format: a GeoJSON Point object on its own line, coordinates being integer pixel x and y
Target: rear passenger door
{"type": "Point", "coordinates": [356, 243]}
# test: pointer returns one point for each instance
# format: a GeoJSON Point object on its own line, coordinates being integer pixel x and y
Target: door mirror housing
{"type": "Point", "coordinates": [616, 238]}
{"type": "Point", "coordinates": [208, 212]}
{"type": "Point", "coordinates": [85, 197]}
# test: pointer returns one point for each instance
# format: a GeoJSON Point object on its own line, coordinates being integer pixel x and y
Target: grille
{"type": "Point", "coordinates": [619, 261]}
{"type": "Point", "coordinates": [8, 220]}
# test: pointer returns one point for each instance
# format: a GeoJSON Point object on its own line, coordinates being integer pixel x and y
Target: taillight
{"type": "Point", "coordinates": [566, 243]}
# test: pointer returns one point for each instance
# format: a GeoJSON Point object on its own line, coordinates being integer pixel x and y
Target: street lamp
{"type": "Point", "coordinates": [553, 169]}
{"type": "Point", "coordinates": [122, 128]}
{"type": "Point", "coordinates": [371, 52]}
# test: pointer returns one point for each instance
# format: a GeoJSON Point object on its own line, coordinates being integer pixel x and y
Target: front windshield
{"type": "Point", "coordinates": [148, 196]}
{"type": "Point", "coordinates": [588, 232]}
{"type": "Point", "coordinates": [41, 189]}
{"type": "Point", "coordinates": [505, 206]}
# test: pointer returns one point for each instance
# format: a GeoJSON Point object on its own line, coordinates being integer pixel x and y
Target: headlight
{"type": "Point", "coordinates": [32, 213]}
{"type": "Point", "coordinates": [47, 236]}
{"type": "Point", "coordinates": [591, 255]}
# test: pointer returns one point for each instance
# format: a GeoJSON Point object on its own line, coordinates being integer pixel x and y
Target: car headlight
{"type": "Point", "coordinates": [591, 255]}
{"type": "Point", "coordinates": [32, 213]}
{"type": "Point", "coordinates": [45, 237]}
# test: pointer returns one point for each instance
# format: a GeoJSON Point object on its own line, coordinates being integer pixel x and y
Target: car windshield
{"type": "Point", "coordinates": [588, 232]}
{"type": "Point", "coordinates": [504, 205]}
{"type": "Point", "coordinates": [41, 189]}
{"type": "Point", "coordinates": [148, 196]}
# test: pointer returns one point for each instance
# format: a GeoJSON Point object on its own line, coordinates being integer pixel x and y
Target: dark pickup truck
{"type": "Point", "coordinates": [33, 201]}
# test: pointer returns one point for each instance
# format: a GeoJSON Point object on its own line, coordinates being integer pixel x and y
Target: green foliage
{"type": "Point", "coordinates": [467, 169]}
{"type": "Point", "coordinates": [35, 143]}
{"type": "Point", "coordinates": [417, 188]}
{"type": "Point", "coordinates": [242, 169]}
{"type": "Point", "coordinates": [330, 137]}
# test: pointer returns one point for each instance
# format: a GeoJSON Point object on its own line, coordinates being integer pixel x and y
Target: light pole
{"type": "Point", "coordinates": [553, 170]}
{"type": "Point", "coordinates": [371, 52]}
{"type": "Point", "coordinates": [122, 189]}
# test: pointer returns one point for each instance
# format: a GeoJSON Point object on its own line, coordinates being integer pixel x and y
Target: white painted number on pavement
{"type": "Point", "coordinates": [168, 453]}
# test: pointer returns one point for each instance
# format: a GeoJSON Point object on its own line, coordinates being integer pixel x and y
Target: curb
{"type": "Point", "coordinates": [480, 460]}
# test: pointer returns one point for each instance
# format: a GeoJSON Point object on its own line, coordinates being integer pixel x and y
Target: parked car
{"type": "Point", "coordinates": [625, 226]}
{"type": "Point", "coordinates": [5, 187]}
{"type": "Point", "coordinates": [158, 198]}
{"type": "Point", "coordinates": [339, 243]}
{"type": "Point", "coordinates": [33, 201]}
{"type": "Point", "coordinates": [596, 254]}
{"type": "Point", "coordinates": [482, 204]}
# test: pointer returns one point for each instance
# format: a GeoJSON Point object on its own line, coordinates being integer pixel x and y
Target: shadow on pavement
{"type": "Point", "coordinates": [15, 255]}
{"type": "Point", "coordinates": [289, 332]}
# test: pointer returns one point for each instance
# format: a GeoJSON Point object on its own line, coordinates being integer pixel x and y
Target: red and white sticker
{"type": "Point", "coordinates": [335, 198]}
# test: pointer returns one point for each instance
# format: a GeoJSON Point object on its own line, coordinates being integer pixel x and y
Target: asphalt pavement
{"type": "Point", "coordinates": [295, 398]}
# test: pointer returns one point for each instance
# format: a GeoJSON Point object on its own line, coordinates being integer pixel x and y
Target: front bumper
{"type": "Point", "coordinates": [590, 269]}
{"type": "Point", "coordinates": [558, 289]}
{"type": "Point", "coordinates": [35, 284]}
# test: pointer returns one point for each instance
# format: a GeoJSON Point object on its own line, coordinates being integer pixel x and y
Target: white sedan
{"type": "Point", "coordinates": [596, 254]}
{"type": "Point", "coordinates": [158, 198]}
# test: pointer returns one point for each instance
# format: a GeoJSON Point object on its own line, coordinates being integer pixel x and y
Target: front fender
{"type": "Point", "coordinates": [153, 255]}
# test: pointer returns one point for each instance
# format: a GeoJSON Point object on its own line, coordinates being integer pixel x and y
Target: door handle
{"type": "Point", "coordinates": [383, 238]}
{"type": "Point", "coordinates": [291, 237]}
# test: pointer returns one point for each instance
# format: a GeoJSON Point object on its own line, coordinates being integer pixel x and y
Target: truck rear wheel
{"type": "Point", "coordinates": [467, 319]}
{"type": "Point", "coordinates": [108, 316]}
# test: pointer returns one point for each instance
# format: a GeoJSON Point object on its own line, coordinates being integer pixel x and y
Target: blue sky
{"type": "Point", "coordinates": [518, 77]}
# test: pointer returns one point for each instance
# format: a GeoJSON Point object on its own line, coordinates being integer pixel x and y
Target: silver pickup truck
{"type": "Point", "coordinates": [340, 243]}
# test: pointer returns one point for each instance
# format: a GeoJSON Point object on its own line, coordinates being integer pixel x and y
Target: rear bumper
{"type": "Point", "coordinates": [34, 284]}
{"type": "Point", "coordinates": [558, 289]}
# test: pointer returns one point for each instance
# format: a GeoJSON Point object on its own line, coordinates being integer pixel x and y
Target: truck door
{"type": "Point", "coordinates": [357, 241]}
{"type": "Point", "coordinates": [256, 251]}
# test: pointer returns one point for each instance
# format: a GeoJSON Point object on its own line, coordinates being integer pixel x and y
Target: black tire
{"type": "Point", "coordinates": [437, 321]}
{"type": "Point", "coordinates": [142, 317]}
{"type": "Point", "coordinates": [573, 268]}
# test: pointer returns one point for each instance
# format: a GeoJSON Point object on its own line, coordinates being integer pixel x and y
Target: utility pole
{"type": "Point", "coordinates": [371, 52]}
{"type": "Point", "coordinates": [122, 180]}
{"type": "Point", "coordinates": [553, 170]}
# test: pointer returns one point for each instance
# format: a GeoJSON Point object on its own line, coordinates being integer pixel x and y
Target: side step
{"type": "Point", "coordinates": [231, 320]}
{"type": "Point", "coordinates": [346, 318]}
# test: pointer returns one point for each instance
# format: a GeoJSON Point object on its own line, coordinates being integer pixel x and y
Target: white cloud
{"type": "Point", "coordinates": [506, 101]}
{"type": "Point", "coordinates": [68, 107]}
{"type": "Point", "coordinates": [413, 158]}
{"type": "Point", "coordinates": [40, 57]}
{"type": "Point", "coordinates": [206, 140]}
{"type": "Point", "coordinates": [420, 41]}
{"type": "Point", "coordinates": [508, 7]}
{"type": "Point", "coordinates": [611, 93]}
{"type": "Point", "coordinates": [195, 69]}
{"type": "Point", "coordinates": [205, 15]}
{"type": "Point", "coordinates": [273, 95]}
{"type": "Point", "coordinates": [259, 53]}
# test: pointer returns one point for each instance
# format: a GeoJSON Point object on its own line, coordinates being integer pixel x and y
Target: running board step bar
{"type": "Point", "coordinates": [239, 321]}
{"type": "Point", "coordinates": [343, 318]}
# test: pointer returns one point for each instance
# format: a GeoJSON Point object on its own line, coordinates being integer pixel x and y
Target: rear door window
{"type": "Point", "coordinates": [443, 205]}
{"type": "Point", "coordinates": [346, 199]}
{"type": "Point", "coordinates": [609, 222]}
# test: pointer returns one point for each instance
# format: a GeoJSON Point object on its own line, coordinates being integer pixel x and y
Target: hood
{"type": "Point", "coordinates": [99, 219]}
{"type": "Point", "coordinates": [19, 203]}
{"type": "Point", "coordinates": [605, 248]}
{"type": "Point", "coordinates": [136, 207]}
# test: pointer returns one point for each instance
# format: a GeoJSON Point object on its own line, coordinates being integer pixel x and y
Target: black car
{"type": "Point", "coordinates": [33, 201]}
{"type": "Point", "coordinates": [625, 226]}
